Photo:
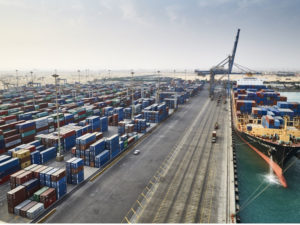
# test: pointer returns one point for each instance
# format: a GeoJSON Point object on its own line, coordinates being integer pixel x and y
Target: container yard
{"type": "Point", "coordinates": [92, 132]}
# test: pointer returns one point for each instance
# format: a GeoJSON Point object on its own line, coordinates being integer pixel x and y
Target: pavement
{"type": "Point", "coordinates": [109, 197]}
{"type": "Point", "coordinates": [193, 187]}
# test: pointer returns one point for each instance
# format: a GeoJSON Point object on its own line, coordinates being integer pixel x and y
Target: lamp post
{"type": "Point", "coordinates": [158, 89]}
{"type": "Point", "coordinates": [78, 75]}
{"type": "Point", "coordinates": [59, 156]}
{"type": "Point", "coordinates": [132, 98]}
{"type": "Point", "coordinates": [17, 78]}
{"type": "Point", "coordinates": [31, 78]}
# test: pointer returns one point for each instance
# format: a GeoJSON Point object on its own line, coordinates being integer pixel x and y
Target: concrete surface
{"type": "Point", "coordinates": [111, 195]}
{"type": "Point", "coordinates": [194, 187]}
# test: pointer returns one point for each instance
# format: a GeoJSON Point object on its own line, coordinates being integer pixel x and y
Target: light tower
{"type": "Point", "coordinates": [78, 71]}
{"type": "Point", "coordinates": [59, 156]}
{"type": "Point", "coordinates": [17, 77]}
{"type": "Point", "coordinates": [31, 78]}
{"type": "Point", "coordinates": [132, 96]}
{"type": "Point", "coordinates": [86, 75]}
{"type": "Point", "coordinates": [109, 71]}
{"type": "Point", "coordinates": [158, 88]}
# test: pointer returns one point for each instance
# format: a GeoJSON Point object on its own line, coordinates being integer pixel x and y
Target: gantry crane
{"type": "Point", "coordinates": [220, 68]}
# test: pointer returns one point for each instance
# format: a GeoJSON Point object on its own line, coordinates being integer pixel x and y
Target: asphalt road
{"type": "Point", "coordinates": [111, 195]}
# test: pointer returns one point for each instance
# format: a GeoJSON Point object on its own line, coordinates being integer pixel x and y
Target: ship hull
{"type": "Point", "coordinates": [280, 154]}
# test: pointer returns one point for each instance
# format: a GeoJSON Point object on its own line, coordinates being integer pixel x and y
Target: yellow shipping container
{"type": "Point", "coordinates": [21, 154]}
{"type": "Point", "coordinates": [25, 164]}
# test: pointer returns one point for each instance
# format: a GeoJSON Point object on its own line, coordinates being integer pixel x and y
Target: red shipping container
{"type": "Point", "coordinates": [74, 171]}
{"type": "Point", "coordinates": [24, 177]}
{"type": "Point", "coordinates": [31, 148]}
{"type": "Point", "coordinates": [23, 211]}
{"type": "Point", "coordinates": [12, 138]}
{"type": "Point", "coordinates": [36, 172]}
{"type": "Point", "coordinates": [69, 133]}
{"type": "Point", "coordinates": [4, 179]}
{"type": "Point", "coordinates": [130, 140]}
{"type": "Point", "coordinates": [13, 178]}
{"type": "Point", "coordinates": [48, 197]}
{"type": "Point", "coordinates": [27, 129]}
{"type": "Point", "coordinates": [15, 197]}
{"type": "Point", "coordinates": [3, 112]}
{"type": "Point", "coordinates": [58, 175]}
{"type": "Point", "coordinates": [82, 112]}
{"type": "Point", "coordinates": [10, 133]}
{"type": "Point", "coordinates": [270, 119]}
{"type": "Point", "coordinates": [12, 117]}
{"type": "Point", "coordinates": [42, 129]}
{"type": "Point", "coordinates": [28, 139]}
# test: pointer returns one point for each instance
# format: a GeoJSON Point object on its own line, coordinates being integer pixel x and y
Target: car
{"type": "Point", "coordinates": [213, 140]}
{"type": "Point", "coordinates": [136, 152]}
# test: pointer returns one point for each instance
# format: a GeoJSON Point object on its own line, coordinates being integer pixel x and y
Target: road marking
{"type": "Point", "coordinates": [166, 163]}
{"type": "Point", "coordinates": [212, 194]}
{"type": "Point", "coordinates": [42, 220]}
{"type": "Point", "coordinates": [127, 219]}
{"type": "Point", "coordinates": [144, 196]}
{"type": "Point", "coordinates": [162, 211]}
{"type": "Point", "coordinates": [139, 203]}
{"type": "Point", "coordinates": [133, 210]}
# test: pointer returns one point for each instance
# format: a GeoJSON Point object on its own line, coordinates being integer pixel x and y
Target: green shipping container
{"type": "Point", "coordinates": [28, 133]}
{"type": "Point", "coordinates": [36, 195]}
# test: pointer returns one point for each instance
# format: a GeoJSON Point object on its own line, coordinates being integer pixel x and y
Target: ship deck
{"type": "Point", "coordinates": [269, 140]}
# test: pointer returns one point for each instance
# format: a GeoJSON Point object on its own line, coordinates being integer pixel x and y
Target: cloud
{"type": "Point", "coordinates": [131, 13]}
{"type": "Point", "coordinates": [77, 6]}
{"type": "Point", "coordinates": [212, 3]}
{"type": "Point", "coordinates": [16, 3]}
{"type": "Point", "coordinates": [238, 3]}
{"type": "Point", "coordinates": [175, 14]}
{"type": "Point", "coordinates": [106, 4]}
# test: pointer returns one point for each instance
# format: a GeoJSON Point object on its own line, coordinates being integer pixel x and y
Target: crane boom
{"type": "Point", "coordinates": [231, 59]}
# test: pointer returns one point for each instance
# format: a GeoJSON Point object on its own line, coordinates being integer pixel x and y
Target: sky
{"type": "Point", "coordinates": [148, 34]}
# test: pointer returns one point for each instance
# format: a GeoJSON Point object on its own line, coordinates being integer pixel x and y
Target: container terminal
{"type": "Point", "coordinates": [133, 149]}
{"type": "Point", "coordinates": [90, 173]}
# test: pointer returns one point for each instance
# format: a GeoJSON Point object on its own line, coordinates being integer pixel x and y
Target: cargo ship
{"type": "Point", "coordinates": [266, 122]}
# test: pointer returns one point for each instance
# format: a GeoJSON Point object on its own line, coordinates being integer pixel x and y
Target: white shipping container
{"type": "Point", "coordinates": [20, 206]}
{"type": "Point", "coordinates": [7, 145]}
{"type": "Point", "coordinates": [10, 121]}
{"type": "Point", "coordinates": [96, 110]}
{"type": "Point", "coordinates": [34, 211]}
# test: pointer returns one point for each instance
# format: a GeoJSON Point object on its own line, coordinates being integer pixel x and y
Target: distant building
{"type": "Point", "coordinates": [285, 74]}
